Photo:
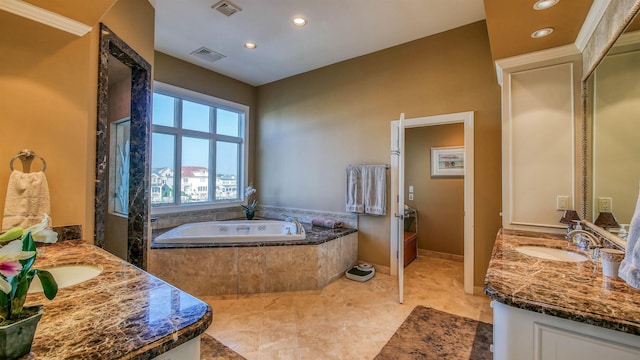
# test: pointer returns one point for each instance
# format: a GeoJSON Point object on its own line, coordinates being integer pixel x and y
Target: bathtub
{"type": "Point", "coordinates": [224, 232]}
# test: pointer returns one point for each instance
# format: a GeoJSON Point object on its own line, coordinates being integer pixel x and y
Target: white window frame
{"type": "Point", "coordinates": [185, 94]}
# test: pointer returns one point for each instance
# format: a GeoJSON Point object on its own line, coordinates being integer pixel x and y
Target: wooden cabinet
{"type": "Point", "coordinates": [410, 247]}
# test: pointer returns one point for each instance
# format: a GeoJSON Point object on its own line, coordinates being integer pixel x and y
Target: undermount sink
{"type": "Point", "coordinates": [551, 253]}
{"type": "Point", "coordinates": [67, 275]}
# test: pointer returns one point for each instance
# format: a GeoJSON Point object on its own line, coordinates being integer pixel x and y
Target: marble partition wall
{"type": "Point", "coordinates": [138, 219]}
{"type": "Point", "coordinates": [259, 269]}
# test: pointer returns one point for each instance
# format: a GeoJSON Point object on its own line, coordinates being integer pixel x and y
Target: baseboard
{"type": "Point", "coordinates": [478, 290]}
{"type": "Point", "coordinates": [440, 255]}
{"type": "Point", "coordinates": [381, 269]}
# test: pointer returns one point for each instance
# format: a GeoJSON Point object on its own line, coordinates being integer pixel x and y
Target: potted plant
{"type": "Point", "coordinates": [249, 210]}
{"type": "Point", "coordinates": [18, 322]}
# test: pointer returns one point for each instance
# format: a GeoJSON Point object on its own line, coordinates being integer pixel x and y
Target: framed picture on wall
{"type": "Point", "coordinates": [447, 161]}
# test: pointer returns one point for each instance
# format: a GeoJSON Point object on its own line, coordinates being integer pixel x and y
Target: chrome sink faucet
{"type": "Point", "coordinates": [295, 221]}
{"type": "Point", "coordinates": [593, 243]}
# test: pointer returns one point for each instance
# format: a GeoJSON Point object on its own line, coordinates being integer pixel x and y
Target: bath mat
{"type": "Point", "coordinates": [212, 349]}
{"type": "Point", "coordinates": [431, 334]}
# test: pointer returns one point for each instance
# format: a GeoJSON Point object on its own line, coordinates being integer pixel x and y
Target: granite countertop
{"type": "Point", "coordinates": [572, 290]}
{"type": "Point", "coordinates": [123, 313]}
{"type": "Point", "coordinates": [316, 235]}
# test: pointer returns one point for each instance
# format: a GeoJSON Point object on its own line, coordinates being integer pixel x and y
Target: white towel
{"type": "Point", "coordinates": [355, 203]}
{"type": "Point", "coordinates": [630, 266]}
{"type": "Point", "coordinates": [367, 189]}
{"type": "Point", "coordinates": [27, 200]}
{"type": "Point", "coordinates": [375, 189]}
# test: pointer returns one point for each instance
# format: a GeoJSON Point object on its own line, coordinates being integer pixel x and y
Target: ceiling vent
{"type": "Point", "coordinates": [226, 7]}
{"type": "Point", "coordinates": [207, 54]}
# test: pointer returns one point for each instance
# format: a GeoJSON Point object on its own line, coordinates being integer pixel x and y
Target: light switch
{"type": "Point", "coordinates": [410, 196]}
{"type": "Point", "coordinates": [605, 204]}
{"type": "Point", "coordinates": [562, 202]}
{"type": "Point", "coordinates": [410, 188]}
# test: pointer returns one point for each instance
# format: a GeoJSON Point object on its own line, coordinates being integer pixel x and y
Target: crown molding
{"type": "Point", "coordinates": [32, 12]}
{"type": "Point", "coordinates": [591, 22]}
{"type": "Point", "coordinates": [528, 60]}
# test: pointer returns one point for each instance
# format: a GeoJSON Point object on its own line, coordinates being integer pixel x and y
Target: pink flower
{"type": "Point", "coordinates": [10, 268]}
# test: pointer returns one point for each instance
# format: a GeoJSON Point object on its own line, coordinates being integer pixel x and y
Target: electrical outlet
{"type": "Point", "coordinates": [410, 188]}
{"type": "Point", "coordinates": [410, 196]}
{"type": "Point", "coordinates": [562, 202]}
{"type": "Point", "coordinates": [605, 204]}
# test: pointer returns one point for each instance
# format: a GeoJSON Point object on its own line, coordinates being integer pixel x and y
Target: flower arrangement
{"type": "Point", "coordinates": [16, 259]}
{"type": "Point", "coordinates": [250, 208]}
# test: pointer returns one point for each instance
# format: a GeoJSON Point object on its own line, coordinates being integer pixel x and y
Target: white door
{"type": "Point", "coordinates": [397, 201]}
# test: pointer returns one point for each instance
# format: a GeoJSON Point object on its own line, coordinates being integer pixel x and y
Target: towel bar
{"type": "Point", "coordinates": [26, 156]}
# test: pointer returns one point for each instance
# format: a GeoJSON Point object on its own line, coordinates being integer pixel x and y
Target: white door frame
{"type": "Point", "coordinates": [469, 205]}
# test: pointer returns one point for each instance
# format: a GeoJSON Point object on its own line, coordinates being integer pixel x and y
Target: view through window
{"type": "Point", "coordinates": [205, 142]}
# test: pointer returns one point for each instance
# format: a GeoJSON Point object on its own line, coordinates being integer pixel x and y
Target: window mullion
{"type": "Point", "coordinates": [178, 118]}
{"type": "Point", "coordinates": [212, 157]}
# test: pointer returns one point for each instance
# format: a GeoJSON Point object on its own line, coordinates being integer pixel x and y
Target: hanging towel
{"type": "Point", "coordinates": [630, 265]}
{"type": "Point", "coordinates": [355, 202]}
{"type": "Point", "coordinates": [27, 200]}
{"type": "Point", "coordinates": [367, 189]}
{"type": "Point", "coordinates": [374, 190]}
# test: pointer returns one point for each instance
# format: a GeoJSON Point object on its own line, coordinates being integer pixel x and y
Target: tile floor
{"type": "Point", "coordinates": [345, 320]}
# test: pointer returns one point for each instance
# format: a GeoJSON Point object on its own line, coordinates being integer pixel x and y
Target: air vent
{"type": "Point", "coordinates": [226, 7]}
{"type": "Point", "coordinates": [207, 54]}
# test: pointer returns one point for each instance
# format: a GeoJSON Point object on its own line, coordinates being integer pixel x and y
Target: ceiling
{"type": "Point", "coordinates": [337, 30]}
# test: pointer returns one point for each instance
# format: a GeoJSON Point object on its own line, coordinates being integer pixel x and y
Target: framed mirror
{"type": "Point", "coordinates": [611, 97]}
{"type": "Point", "coordinates": [122, 156]}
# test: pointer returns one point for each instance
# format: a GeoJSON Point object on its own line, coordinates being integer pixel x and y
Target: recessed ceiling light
{"type": "Point", "coordinates": [544, 4]}
{"type": "Point", "coordinates": [299, 21]}
{"type": "Point", "coordinates": [250, 45]}
{"type": "Point", "coordinates": [541, 33]}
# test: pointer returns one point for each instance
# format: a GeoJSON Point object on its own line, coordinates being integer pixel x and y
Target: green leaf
{"type": "Point", "coordinates": [49, 284]}
{"type": "Point", "coordinates": [28, 245]}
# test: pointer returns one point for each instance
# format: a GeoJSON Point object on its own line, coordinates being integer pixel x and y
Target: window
{"type": "Point", "coordinates": [198, 143]}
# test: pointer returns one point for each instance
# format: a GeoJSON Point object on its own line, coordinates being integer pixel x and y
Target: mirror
{"type": "Point", "coordinates": [122, 156]}
{"type": "Point", "coordinates": [612, 102]}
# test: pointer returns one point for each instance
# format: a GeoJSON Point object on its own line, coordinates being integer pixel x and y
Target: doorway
{"type": "Point", "coordinates": [398, 128]}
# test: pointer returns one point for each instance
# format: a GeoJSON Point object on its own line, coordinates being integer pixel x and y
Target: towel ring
{"type": "Point", "coordinates": [27, 155]}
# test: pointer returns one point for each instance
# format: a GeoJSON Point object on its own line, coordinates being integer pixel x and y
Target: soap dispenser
{"type": "Point", "coordinates": [577, 239]}
{"type": "Point", "coordinates": [622, 233]}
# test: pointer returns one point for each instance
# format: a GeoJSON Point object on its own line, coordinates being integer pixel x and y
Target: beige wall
{"type": "Point", "coordinates": [182, 74]}
{"type": "Point", "coordinates": [48, 82]}
{"type": "Point", "coordinates": [439, 200]}
{"type": "Point", "coordinates": [313, 125]}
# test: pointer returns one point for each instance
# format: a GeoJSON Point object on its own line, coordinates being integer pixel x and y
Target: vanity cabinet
{"type": "Point", "coordinates": [526, 335]}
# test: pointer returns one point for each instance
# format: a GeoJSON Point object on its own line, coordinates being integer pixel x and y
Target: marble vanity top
{"type": "Point", "coordinates": [123, 313]}
{"type": "Point", "coordinates": [572, 290]}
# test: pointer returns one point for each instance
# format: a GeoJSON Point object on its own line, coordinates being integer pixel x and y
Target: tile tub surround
{"type": "Point", "coordinates": [122, 313]}
{"type": "Point", "coordinates": [573, 291]}
{"type": "Point", "coordinates": [225, 269]}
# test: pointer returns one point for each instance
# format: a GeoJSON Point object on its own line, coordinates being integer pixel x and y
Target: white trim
{"type": "Point", "coordinates": [32, 12]}
{"type": "Point", "coordinates": [507, 149]}
{"type": "Point", "coordinates": [469, 180]}
{"type": "Point", "coordinates": [536, 58]}
{"type": "Point", "coordinates": [590, 24]}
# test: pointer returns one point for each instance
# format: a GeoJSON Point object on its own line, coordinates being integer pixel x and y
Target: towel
{"type": "Point", "coordinates": [367, 189]}
{"type": "Point", "coordinates": [630, 266]}
{"type": "Point", "coordinates": [375, 189]}
{"type": "Point", "coordinates": [27, 200]}
{"type": "Point", "coordinates": [355, 203]}
{"type": "Point", "coordinates": [328, 223]}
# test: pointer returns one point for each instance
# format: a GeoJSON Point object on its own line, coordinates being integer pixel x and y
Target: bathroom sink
{"type": "Point", "coordinates": [68, 275]}
{"type": "Point", "coordinates": [551, 253]}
